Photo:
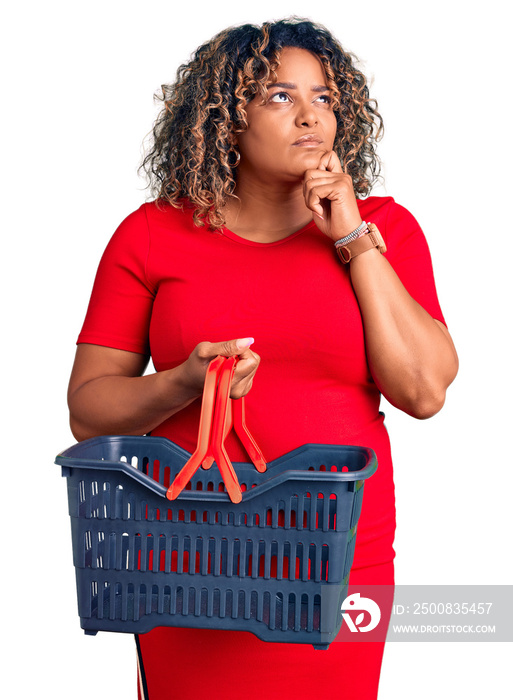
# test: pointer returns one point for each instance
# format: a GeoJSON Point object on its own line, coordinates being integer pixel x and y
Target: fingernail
{"type": "Point", "coordinates": [320, 217]}
{"type": "Point", "coordinates": [245, 342]}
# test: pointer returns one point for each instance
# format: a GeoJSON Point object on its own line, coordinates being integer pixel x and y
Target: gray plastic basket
{"type": "Point", "coordinates": [276, 564]}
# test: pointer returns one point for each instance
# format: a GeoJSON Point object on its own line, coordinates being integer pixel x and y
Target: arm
{"type": "Point", "coordinates": [107, 394]}
{"type": "Point", "coordinates": [411, 356]}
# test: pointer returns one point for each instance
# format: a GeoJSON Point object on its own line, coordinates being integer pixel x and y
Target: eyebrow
{"type": "Point", "coordinates": [293, 86]}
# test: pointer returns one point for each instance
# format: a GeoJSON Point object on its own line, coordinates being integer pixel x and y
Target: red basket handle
{"type": "Point", "coordinates": [236, 420]}
{"type": "Point", "coordinates": [240, 427]}
{"type": "Point", "coordinates": [205, 429]}
{"type": "Point", "coordinates": [219, 432]}
{"type": "Point", "coordinates": [218, 415]}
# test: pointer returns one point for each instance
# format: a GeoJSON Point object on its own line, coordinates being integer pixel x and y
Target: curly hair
{"type": "Point", "coordinates": [193, 155]}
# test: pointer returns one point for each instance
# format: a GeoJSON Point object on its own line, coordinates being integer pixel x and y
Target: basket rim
{"type": "Point", "coordinates": [71, 459]}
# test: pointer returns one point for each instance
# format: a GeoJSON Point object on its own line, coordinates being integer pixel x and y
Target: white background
{"type": "Point", "coordinates": [77, 102]}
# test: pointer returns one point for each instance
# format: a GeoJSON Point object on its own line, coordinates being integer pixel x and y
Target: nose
{"type": "Point", "coordinates": [305, 115]}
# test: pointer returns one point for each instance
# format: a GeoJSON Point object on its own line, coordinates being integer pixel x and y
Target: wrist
{"type": "Point", "coordinates": [357, 232]}
{"type": "Point", "coordinates": [359, 242]}
{"type": "Point", "coordinates": [364, 259]}
{"type": "Point", "coordinates": [343, 232]}
{"type": "Point", "coordinates": [180, 385]}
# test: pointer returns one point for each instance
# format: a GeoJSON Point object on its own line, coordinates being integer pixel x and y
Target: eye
{"type": "Point", "coordinates": [279, 97]}
{"type": "Point", "coordinates": [326, 99]}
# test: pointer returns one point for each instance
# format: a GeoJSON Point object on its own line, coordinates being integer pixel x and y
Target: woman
{"type": "Point", "coordinates": [265, 141]}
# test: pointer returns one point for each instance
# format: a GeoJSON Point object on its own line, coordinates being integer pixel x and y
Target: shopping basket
{"type": "Point", "coordinates": [276, 563]}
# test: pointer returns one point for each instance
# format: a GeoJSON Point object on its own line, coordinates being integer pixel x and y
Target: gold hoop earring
{"type": "Point", "coordinates": [237, 156]}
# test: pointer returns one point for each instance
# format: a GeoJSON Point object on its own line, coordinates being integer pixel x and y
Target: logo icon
{"type": "Point", "coordinates": [358, 604]}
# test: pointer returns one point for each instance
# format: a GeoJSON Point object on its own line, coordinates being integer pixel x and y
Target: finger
{"type": "Point", "coordinates": [308, 177]}
{"type": "Point", "coordinates": [330, 161]}
{"type": "Point", "coordinates": [313, 203]}
{"type": "Point", "coordinates": [309, 183]}
{"type": "Point", "coordinates": [227, 348]}
{"type": "Point", "coordinates": [245, 371]}
{"type": "Point", "coordinates": [312, 178]}
{"type": "Point", "coordinates": [244, 374]}
{"type": "Point", "coordinates": [317, 193]}
{"type": "Point", "coordinates": [327, 179]}
{"type": "Point", "coordinates": [327, 189]}
{"type": "Point", "coordinates": [310, 174]}
{"type": "Point", "coordinates": [248, 363]}
{"type": "Point", "coordinates": [240, 385]}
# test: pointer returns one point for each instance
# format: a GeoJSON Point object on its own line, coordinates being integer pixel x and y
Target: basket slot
{"type": "Point", "coordinates": [230, 558]}
{"type": "Point", "coordinates": [158, 594]}
{"type": "Point", "coordinates": [231, 604]}
{"type": "Point", "coordinates": [198, 603]}
{"type": "Point", "coordinates": [101, 588]}
{"type": "Point", "coordinates": [282, 617]}
{"type": "Point", "coordinates": [306, 613]}
{"type": "Point", "coordinates": [118, 501]}
{"type": "Point", "coordinates": [324, 562]}
{"type": "Point", "coordinates": [81, 493]}
{"type": "Point", "coordinates": [295, 610]}
{"type": "Point", "coordinates": [302, 562]}
{"type": "Point", "coordinates": [315, 563]}
{"type": "Point", "coordinates": [217, 556]}
{"type": "Point", "coordinates": [279, 561]}
{"type": "Point", "coordinates": [121, 559]}
{"type": "Point", "coordinates": [147, 543]}
{"type": "Point", "coordinates": [113, 596]}
{"type": "Point", "coordinates": [173, 601]}
{"type": "Point", "coordinates": [272, 611]}
{"type": "Point", "coordinates": [189, 601]}
{"type": "Point", "coordinates": [185, 601]}
{"type": "Point", "coordinates": [93, 607]}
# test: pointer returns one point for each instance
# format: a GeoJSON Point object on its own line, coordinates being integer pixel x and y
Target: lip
{"type": "Point", "coordinates": [308, 141]}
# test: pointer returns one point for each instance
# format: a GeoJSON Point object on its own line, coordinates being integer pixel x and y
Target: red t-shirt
{"type": "Point", "coordinates": [163, 286]}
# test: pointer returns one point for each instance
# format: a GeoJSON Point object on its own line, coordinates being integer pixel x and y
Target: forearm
{"type": "Point", "coordinates": [411, 357]}
{"type": "Point", "coordinates": [108, 394]}
{"type": "Point", "coordinates": [120, 405]}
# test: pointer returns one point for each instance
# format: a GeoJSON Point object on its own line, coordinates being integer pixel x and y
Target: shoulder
{"type": "Point", "coordinates": [384, 211]}
{"type": "Point", "coordinates": [152, 216]}
{"type": "Point", "coordinates": [128, 246]}
{"type": "Point", "coordinates": [395, 222]}
{"type": "Point", "coordinates": [146, 228]}
{"type": "Point", "coordinates": [132, 231]}
{"type": "Point", "coordinates": [162, 216]}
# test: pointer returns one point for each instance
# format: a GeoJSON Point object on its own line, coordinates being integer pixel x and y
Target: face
{"type": "Point", "coordinates": [291, 131]}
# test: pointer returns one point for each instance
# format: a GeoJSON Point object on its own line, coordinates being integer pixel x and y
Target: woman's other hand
{"type": "Point", "coordinates": [329, 194]}
{"type": "Point", "coordinates": [108, 395]}
{"type": "Point", "coordinates": [193, 370]}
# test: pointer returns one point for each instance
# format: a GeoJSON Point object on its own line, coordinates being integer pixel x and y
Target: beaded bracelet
{"type": "Point", "coordinates": [360, 231]}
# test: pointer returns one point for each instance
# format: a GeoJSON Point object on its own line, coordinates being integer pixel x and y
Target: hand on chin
{"type": "Point", "coordinates": [329, 194]}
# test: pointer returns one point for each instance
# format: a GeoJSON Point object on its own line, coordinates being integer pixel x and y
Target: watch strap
{"type": "Point", "coordinates": [372, 239]}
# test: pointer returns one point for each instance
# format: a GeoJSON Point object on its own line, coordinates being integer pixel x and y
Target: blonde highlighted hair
{"type": "Point", "coordinates": [193, 155]}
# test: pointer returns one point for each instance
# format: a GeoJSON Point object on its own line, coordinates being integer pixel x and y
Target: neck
{"type": "Point", "coordinates": [266, 212]}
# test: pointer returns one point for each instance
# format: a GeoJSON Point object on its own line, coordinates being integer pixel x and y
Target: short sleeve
{"type": "Point", "coordinates": [119, 311]}
{"type": "Point", "coordinates": [408, 253]}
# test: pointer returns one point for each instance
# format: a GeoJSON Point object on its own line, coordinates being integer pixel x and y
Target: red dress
{"type": "Point", "coordinates": [164, 285]}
